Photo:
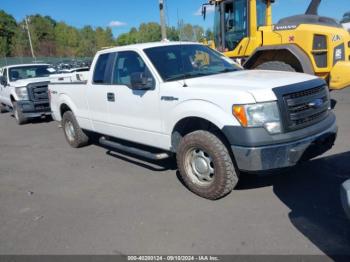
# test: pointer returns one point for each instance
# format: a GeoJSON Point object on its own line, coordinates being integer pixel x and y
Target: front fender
{"type": "Point", "coordinates": [201, 109]}
{"type": "Point", "coordinates": [14, 94]}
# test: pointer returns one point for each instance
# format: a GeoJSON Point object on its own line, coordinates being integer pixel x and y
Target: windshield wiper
{"type": "Point", "coordinates": [185, 76]}
{"type": "Point", "coordinates": [227, 70]}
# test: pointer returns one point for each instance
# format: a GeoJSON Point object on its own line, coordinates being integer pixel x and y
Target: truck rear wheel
{"type": "Point", "coordinates": [205, 165]}
{"type": "Point", "coordinates": [20, 118]}
{"type": "Point", "coordinates": [75, 136]}
{"type": "Point", "coordinates": [276, 66]}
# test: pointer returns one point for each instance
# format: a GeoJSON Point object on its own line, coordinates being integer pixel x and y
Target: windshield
{"type": "Point", "coordinates": [346, 18]}
{"type": "Point", "coordinates": [261, 6]}
{"type": "Point", "coordinates": [25, 72]}
{"type": "Point", "coordinates": [177, 62]}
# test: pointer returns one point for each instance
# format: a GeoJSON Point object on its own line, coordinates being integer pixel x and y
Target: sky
{"type": "Point", "coordinates": [121, 15]}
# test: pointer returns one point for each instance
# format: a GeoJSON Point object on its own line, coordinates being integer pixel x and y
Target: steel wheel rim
{"type": "Point", "coordinates": [199, 167]}
{"type": "Point", "coordinates": [70, 132]}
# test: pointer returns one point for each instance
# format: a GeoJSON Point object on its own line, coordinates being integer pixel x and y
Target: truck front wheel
{"type": "Point", "coordinates": [205, 165]}
{"type": "Point", "coordinates": [2, 109]}
{"type": "Point", "coordinates": [75, 136]}
{"type": "Point", "coordinates": [20, 118]}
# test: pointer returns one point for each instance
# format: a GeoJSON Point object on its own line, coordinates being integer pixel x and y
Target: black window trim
{"type": "Point", "coordinates": [143, 60]}
{"type": "Point", "coordinates": [111, 59]}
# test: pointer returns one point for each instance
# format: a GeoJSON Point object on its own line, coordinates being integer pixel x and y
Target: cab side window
{"type": "Point", "coordinates": [102, 73]}
{"type": "Point", "coordinates": [127, 64]}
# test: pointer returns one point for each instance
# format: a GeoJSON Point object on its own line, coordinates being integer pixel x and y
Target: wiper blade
{"type": "Point", "coordinates": [177, 77]}
{"type": "Point", "coordinates": [227, 71]}
{"type": "Point", "coordinates": [185, 76]}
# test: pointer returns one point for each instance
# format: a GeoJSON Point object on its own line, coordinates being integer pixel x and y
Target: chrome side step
{"type": "Point", "coordinates": [133, 150]}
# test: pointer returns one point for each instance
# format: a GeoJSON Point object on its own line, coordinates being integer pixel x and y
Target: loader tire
{"type": "Point", "coordinates": [276, 66]}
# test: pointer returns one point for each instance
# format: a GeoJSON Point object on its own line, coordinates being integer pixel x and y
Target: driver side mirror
{"type": "Point", "coordinates": [142, 81]}
{"type": "Point", "coordinates": [3, 81]}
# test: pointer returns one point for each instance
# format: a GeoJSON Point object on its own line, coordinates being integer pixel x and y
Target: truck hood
{"type": "Point", "coordinates": [259, 83]}
{"type": "Point", "coordinates": [25, 82]}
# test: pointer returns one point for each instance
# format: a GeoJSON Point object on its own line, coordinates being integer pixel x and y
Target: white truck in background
{"type": "Point", "coordinates": [24, 91]}
{"type": "Point", "coordinates": [189, 100]}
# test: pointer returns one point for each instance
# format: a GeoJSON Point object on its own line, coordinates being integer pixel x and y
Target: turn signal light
{"type": "Point", "coordinates": [240, 114]}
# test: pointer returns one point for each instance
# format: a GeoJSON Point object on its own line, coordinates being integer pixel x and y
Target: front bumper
{"type": "Point", "coordinates": [34, 109]}
{"type": "Point", "coordinates": [256, 159]}
{"type": "Point", "coordinates": [345, 197]}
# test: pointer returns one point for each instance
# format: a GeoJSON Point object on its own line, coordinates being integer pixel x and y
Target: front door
{"type": "Point", "coordinates": [134, 114]}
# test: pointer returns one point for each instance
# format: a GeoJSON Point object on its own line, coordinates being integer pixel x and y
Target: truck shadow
{"type": "Point", "coordinates": [312, 192]}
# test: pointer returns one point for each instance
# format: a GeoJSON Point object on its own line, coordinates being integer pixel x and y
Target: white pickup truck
{"type": "Point", "coordinates": [188, 100]}
{"type": "Point", "coordinates": [24, 90]}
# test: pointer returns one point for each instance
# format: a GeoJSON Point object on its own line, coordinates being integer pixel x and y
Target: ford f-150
{"type": "Point", "coordinates": [187, 100]}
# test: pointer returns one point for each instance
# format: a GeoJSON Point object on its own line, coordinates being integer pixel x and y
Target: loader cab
{"type": "Point", "coordinates": [238, 20]}
{"type": "Point", "coordinates": [346, 18]}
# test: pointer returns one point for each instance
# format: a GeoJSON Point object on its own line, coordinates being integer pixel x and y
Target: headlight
{"type": "Point", "coordinates": [22, 93]}
{"type": "Point", "coordinates": [259, 115]}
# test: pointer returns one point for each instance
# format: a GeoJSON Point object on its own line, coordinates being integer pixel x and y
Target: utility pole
{"type": "Point", "coordinates": [162, 19]}
{"type": "Point", "coordinates": [30, 38]}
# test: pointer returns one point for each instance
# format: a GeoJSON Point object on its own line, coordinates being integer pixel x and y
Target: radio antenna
{"type": "Point", "coordinates": [180, 25]}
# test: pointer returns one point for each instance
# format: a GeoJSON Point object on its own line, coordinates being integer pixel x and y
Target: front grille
{"type": "Point", "coordinates": [39, 92]}
{"type": "Point", "coordinates": [306, 107]}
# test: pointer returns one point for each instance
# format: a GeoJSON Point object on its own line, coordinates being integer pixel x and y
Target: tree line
{"type": "Point", "coordinates": [58, 39]}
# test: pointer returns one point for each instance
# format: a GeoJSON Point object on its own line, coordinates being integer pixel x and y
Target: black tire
{"type": "Point", "coordinates": [18, 114]}
{"type": "Point", "coordinates": [213, 153]}
{"type": "Point", "coordinates": [276, 66]}
{"type": "Point", "coordinates": [2, 109]}
{"type": "Point", "coordinates": [75, 136]}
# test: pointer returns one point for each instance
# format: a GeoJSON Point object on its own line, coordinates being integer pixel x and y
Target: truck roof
{"type": "Point", "coordinates": [145, 46]}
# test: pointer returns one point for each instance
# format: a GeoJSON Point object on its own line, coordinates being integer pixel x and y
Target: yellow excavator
{"type": "Point", "coordinates": [308, 43]}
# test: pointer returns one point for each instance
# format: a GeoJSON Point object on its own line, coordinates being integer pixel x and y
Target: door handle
{"type": "Point", "coordinates": [110, 97]}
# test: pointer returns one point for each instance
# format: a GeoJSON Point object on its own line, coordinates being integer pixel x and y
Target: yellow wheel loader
{"type": "Point", "coordinates": [308, 43]}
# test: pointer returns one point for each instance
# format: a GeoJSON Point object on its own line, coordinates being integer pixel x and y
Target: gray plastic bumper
{"type": "Point", "coordinates": [255, 159]}
{"type": "Point", "coordinates": [345, 197]}
{"type": "Point", "coordinates": [34, 109]}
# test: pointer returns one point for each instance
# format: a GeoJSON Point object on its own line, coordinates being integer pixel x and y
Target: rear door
{"type": "Point", "coordinates": [98, 94]}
